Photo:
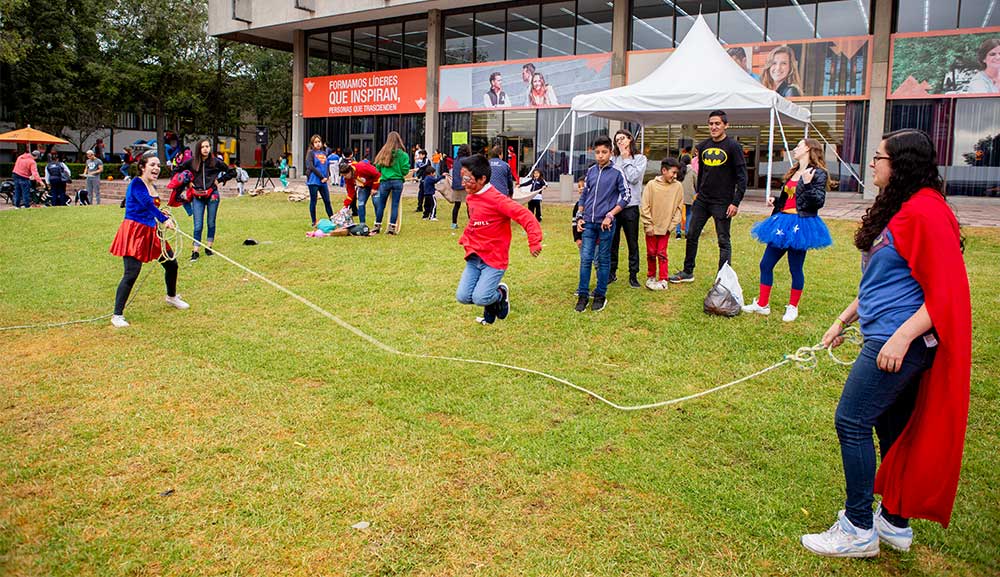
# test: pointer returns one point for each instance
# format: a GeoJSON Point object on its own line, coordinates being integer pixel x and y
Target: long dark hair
{"type": "Point", "coordinates": [914, 166]}
{"type": "Point", "coordinates": [631, 143]}
{"type": "Point", "coordinates": [196, 155]}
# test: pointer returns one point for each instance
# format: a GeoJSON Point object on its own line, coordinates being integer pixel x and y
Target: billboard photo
{"type": "Point", "coordinates": [385, 92]}
{"type": "Point", "coordinates": [950, 64]}
{"type": "Point", "coordinates": [522, 84]}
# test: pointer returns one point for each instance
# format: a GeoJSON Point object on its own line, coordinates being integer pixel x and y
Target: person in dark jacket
{"type": "Point", "coordinates": [457, 190]}
{"type": "Point", "coordinates": [501, 177]}
{"type": "Point", "coordinates": [793, 227]}
{"type": "Point", "coordinates": [207, 173]}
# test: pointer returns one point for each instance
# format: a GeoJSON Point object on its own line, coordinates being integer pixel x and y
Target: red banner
{"type": "Point", "coordinates": [387, 92]}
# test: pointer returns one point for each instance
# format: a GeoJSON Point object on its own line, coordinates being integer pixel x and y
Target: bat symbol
{"type": "Point", "coordinates": [714, 157]}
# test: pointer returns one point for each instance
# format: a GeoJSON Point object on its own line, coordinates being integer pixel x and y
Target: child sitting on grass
{"type": "Point", "coordinates": [660, 211]}
{"type": "Point", "coordinates": [487, 240]}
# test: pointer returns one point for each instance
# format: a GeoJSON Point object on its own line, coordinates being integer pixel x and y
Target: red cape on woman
{"type": "Point", "coordinates": [919, 475]}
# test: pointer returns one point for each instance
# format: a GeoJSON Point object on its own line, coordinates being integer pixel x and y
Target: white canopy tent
{"type": "Point", "coordinates": [698, 77]}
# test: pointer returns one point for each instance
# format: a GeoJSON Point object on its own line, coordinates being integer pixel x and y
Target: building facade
{"type": "Point", "coordinates": [503, 74]}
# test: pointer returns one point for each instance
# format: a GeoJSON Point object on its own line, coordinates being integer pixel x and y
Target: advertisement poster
{"type": "Point", "coordinates": [386, 92]}
{"type": "Point", "coordinates": [523, 84]}
{"type": "Point", "coordinates": [832, 69]}
{"type": "Point", "coordinates": [949, 63]}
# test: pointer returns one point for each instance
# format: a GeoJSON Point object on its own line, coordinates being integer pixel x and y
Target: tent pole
{"type": "Point", "coordinates": [572, 138]}
{"type": "Point", "coordinates": [642, 139]}
{"type": "Point", "coordinates": [770, 156]}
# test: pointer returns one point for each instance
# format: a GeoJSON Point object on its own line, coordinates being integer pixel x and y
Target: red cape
{"type": "Point", "coordinates": [919, 475]}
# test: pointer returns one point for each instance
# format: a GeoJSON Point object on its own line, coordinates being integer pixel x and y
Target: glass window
{"type": "Point", "coordinates": [458, 39]}
{"type": "Point", "coordinates": [415, 44]}
{"type": "Point", "coordinates": [924, 15]}
{"type": "Point", "coordinates": [490, 35]}
{"type": "Point", "coordinates": [791, 19]}
{"type": "Point", "coordinates": [522, 32]}
{"type": "Point", "coordinates": [340, 50]}
{"type": "Point", "coordinates": [390, 47]}
{"type": "Point", "coordinates": [452, 122]}
{"type": "Point", "coordinates": [593, 32]}
{"type": "Point", "coordinates": [741, 21]}
{"type": "Point", "coordinates": [979, 14]}
{"type": "Point", "coordinates": [558, 29]}
{"type": "Point", "coordinates": [687, 14]}
{"type": "Point", "coordinates": [843, 18]}
{"type": "Point", "coordinates": [486, 127]}
{"type": "Point", "coordinates": [364, 49]}
{"type": "Point", "coordinates": [975, 162]}
{"type": "Point", "coordinates": [652, 25]}
{"type": "Point", "coordinates": [555, 159]}
{"type": "Point", "coordinates": [319, 54]}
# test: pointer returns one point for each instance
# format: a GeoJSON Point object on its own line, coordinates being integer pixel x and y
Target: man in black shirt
{"type": "Point", "coordinates": [722, 181]}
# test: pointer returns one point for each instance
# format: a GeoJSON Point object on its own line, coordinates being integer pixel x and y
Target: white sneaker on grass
{"type": "Point", "coordinates": [118, 321]}
{"type": "Point", "coordinates": [176, 302]}
{"type": "Point", "coordinates": [899, 538]}
{"type": "Point", "coordinates": [651, 283]}
{"type": "Point", "coordinates": [843, 539]}
{"type": "Point", "coordinates": [791, 313]}
{"type": "Point", "coordinates": [756, 308]}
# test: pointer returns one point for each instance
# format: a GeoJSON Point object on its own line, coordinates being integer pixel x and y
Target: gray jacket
{"type": "Point", "coordinates": [633, 168]}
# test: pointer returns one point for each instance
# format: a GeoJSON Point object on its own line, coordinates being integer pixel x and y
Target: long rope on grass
{"type": "Point", "coordinates": [804, 357]}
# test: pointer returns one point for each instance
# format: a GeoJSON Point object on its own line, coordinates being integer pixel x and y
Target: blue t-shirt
{"type": "Point", "coordinates": [320, 165]}
{"type": "Point", "coordinates": [888, 294]}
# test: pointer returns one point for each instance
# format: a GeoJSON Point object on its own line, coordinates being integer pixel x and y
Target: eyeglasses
{"type": "Point", "coordinates": [878, 157]}
{"type": "Point", "coordinates": [467, 178]}
{"type": "Point", "coordinates": [620, 138]}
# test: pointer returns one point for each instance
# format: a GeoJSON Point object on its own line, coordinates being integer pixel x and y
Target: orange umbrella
{"type": "Point", "coordinates": [30, 135]}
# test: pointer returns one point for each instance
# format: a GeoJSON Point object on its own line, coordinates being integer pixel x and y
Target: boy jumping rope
{"type": "Point", "coordinates": [487, 240]}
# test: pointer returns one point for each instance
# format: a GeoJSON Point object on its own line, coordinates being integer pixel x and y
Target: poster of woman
{"type": "Point", "coordinates": [987, 80]}
{"type": "Point", "coordinates": [781, 72]}
{"type": "Point", "coordinates": [541, 93]}
{"type": "Point", "coordinates": [952, 64]}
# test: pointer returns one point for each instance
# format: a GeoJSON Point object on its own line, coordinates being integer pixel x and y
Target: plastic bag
{"type": "Point", "coordinates": [725, 298]}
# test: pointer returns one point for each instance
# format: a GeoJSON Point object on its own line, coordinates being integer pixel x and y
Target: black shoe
{"type": "Point", "coordinates": [194, 256]}
{"type": "Point", "coordinates": [599, 303]}
{"type": "Point", "coordinates": [503, 305]}
{"type": "Point", "coordinates": [581, 303]}
{"type": "Point", "coordinates": [208, 251]}
{"type": "Point", "coordinates": [612, 277]}
{"type": "Point", "coordinates": [633, 282]}
{"type": "Point", "coordinates": [681, 276]}
{"type": "Point", "coordinates": [678, 235]}
{"type": "Point", "coordinates": [489, 314]}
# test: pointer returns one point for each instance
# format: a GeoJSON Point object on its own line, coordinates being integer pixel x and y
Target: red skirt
{"type": "Point", "coordinates": [138, 241]}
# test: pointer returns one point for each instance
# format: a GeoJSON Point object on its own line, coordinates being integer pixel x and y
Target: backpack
{"type": "Point", "coordinates": [55, 172]}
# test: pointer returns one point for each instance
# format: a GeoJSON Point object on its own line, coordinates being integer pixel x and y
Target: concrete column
{"type": "Point", "coordinates": [300, 59]}
{"type": "Point", "coordinates": [879, 89]}
{"type": "Point", "coordinates": [619, 52]}
{"type": "Point", "coordinates": [434, 52]}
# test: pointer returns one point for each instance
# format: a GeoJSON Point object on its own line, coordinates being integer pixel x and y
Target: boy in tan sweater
{"type": "Point", "coordinates": [660, 212]}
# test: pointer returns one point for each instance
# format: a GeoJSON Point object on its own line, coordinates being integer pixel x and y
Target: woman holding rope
{"type": "Point", "coordinates": [137, 241]}
{"type": "Point", "coordinates": [911, 381]}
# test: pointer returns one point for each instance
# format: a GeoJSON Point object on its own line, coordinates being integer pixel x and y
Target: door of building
{"type": "Point", "coordinates": [363, 146]}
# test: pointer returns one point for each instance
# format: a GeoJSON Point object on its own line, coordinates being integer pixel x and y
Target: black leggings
{"type": "Point", "coordinates": [454, 212]}
{"type": "Point", "coordinates": [132, 268]}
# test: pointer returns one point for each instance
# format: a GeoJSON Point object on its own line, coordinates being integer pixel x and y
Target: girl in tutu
{"type": "Point", "coordinates": [137, 242]}
{"type": "Point", "coordinates": [794, 227]}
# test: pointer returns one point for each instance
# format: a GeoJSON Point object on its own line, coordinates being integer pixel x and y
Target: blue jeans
{"type": "Point", "coordinates": [479, 283]}
{"type": "Point", "coordinates": [595, 240]}
{"type": "Point", "coordinates": [322, 190]}
{"type": "Point", "coordinates": [873, 398]}
{"type": "Point", "coordinates": [198, 209]}
{"type": "Point", "coordinates": [22, 191]}
{"type": "Point", "coordinates": [364, 193]}
{"type": "Point", "coordinates": [394, 187]}
{"type": "Point", "coordinates": [687, 218]}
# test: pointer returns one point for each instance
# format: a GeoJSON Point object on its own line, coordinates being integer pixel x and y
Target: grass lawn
{"type": "Point", "coordinates": [247, 435]}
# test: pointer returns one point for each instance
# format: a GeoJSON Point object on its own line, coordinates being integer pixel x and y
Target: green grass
{"type": "Point", "coordinates": [277, 430]}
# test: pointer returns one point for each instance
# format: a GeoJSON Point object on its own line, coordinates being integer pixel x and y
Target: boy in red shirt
{"type": "Point", "coordinates": [487, 240]}
{"type": "Point", "coordinates": [360, 178]}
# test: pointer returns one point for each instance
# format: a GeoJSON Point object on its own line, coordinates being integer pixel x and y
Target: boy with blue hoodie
{"type": "Point", "coordinates": [605, 194]}
{"type": "Point", "coordinates": [428, 180]}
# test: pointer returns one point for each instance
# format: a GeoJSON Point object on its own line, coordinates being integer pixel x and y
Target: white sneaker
{"type": "Point", "coordinates": [843, 539]}
{"type": "Point", "coordinates": [756, 308]}
{"type": "Point", "coordinates": [651, 283]}
{"type": "Point", "coordinates": [899, 538]}
{"type": "Point", "coordinates": [791, 313]}
{"type": "Point", "coordinates": [118, 321]}
{"type": "Point", "coordinates": [176, 302]}
{"type": "Point", "coordinates": [664, 285]}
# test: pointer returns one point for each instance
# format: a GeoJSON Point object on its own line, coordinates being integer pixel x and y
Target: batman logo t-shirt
{"type": "Point", "coordinates": [714, 156]}
{"type": "Point", "coordinates": [722, 173]}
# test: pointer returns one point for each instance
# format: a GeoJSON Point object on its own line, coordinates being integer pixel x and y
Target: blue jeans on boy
{"type": "Point", "coordinates": [873, 398]}
{"type": "Point", "coordinates": [479, 283]}
{"type": "Point", "coordinates": [592, 233]}
{"type": "Point", "coordinates": [198, 208]}
{"type": "Point", "coordinates": [395, 188]}
{"type": "Point", "coordinates": [364, 193]}
{"type": "Point", "coordinates": [22, 191]}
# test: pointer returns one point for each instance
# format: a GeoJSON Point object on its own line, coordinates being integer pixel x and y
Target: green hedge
{"type": "Point", "coordinates": [7, 168]}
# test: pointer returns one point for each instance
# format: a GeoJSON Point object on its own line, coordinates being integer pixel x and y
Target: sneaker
{"type": "Point", "coordinates": [843, 539]}
{"type": "Point", "coordinates": [433, 219]}
{"type": "Point", "coordinates": [651, 283]}
{"type": "Point", "coordinates": [453, 226]}
{"type": "Point", "coordinates": [678, 235]}
{"type": "Point", "coordinates": [791, 313]}
{"type": "Point", "coordinates": [681, 276]}
{"type": "Point", "coordinates": [503, 305]}
{"type": "Point", "coordinates": [611, 277]}
{"type": "Point", "coordinates": [899, 538]}
{"type": "Point", "coordinates": [581, 303]}
{"type": "Point", "coordinates": [425, 218]}
{"type": "Point", "coordinates": [176, 302]}
{"type": "Point", "coordinates": [756, 308]}
{"type": "Point", "coordinates": [599, 303]}
{"type": "Point", "coordinates": [489, 314]}
{"type": "Point", "coordinates": [118, 321]}
{"type": "Point", "coordinates": [661, 285]}
{"type": "Point", "coordinates": [392, 229]}
{"type": "Point", "coordinates": [633, 282]}
{"type": "Point", "coordinates": [195, 256]}
{"type": "Point", "coordinates": [376, 230]}
{"type": "Point", "coordinates": [208, 251]}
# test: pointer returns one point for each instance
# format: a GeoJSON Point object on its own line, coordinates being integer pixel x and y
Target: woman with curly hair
{"type": "Point", "coordinates": [781, 72]}
{"type": "Point", "coordinates": [911, 381]}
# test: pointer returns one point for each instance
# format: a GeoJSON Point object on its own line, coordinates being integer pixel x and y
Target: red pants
{"type": "Point", "coordinates": [656, 251]}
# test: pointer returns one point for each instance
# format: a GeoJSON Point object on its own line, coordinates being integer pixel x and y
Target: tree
{"type": "Point", "coordinates": [263, 86]}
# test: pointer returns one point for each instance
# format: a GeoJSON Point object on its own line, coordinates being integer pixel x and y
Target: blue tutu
{"type": "Point", "coordinates": [785, 230]}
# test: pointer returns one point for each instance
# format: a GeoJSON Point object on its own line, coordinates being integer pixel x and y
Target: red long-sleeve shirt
{"type": "Point", "coordinates": [27, 167]}
{"type": "Point", "coordinates": [369, 175]}
{"type": "Point", "coordinates": [488, 231]}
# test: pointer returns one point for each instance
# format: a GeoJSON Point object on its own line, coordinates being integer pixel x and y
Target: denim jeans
{"type": "Point", "coordinates": [324, 191]}
{"type": "Point", "coordinates": [198, 209]}
{"type": "Point", "coordinates": [394, 187]}
{"type": "Point", "coordinates": [364, 193]}
{"type": "Point", "coordinates": [479, 283]}
{"type": "Point", "coordinates": [595, 240]}
{"type": "Point", "coordinates": [873, 398]}
{"type": "Point", "coordinates": [22, 191]}
{"type": "Point", "coordinates": [687, 220]}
